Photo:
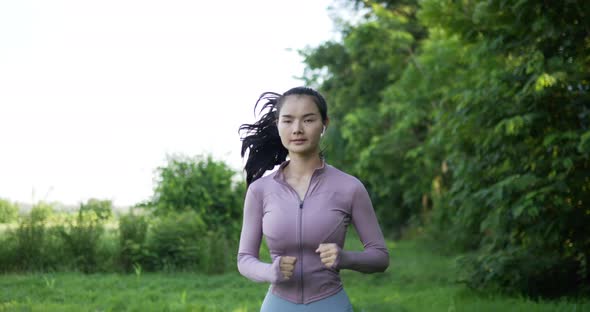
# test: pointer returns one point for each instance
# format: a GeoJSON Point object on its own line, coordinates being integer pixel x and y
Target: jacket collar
{"type": "Point", "coordinates": [280, 176]}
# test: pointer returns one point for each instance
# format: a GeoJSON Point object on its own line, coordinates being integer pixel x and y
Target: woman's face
{"type": "Point", "coordinates": [300, 125]}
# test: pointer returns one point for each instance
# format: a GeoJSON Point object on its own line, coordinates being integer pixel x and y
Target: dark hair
{"type": "Point", "coordinates": [262, 137]}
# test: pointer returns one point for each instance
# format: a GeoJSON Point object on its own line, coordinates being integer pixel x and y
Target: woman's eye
{"type": "Point", "coordinates": [308, 120]}
{"type": "Point", "coordinates": [286, 121]}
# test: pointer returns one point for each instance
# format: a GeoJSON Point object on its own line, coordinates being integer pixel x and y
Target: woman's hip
{"type": "Point", "coordinates": [338, 302]}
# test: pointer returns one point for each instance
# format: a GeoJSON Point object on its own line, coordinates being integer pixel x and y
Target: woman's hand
{"type": "Point", "coordinates": [328, 254]}
{"type": "Point", "coordinates": [287, 266]}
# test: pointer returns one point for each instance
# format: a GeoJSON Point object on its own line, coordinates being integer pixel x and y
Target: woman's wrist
{"type": "Point", "coordinates": [338, 262]}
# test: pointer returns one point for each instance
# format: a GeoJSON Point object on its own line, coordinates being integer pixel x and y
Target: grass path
{"type": "Point", "coordinates": [417, 280]}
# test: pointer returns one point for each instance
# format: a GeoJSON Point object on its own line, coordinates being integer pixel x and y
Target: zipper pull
{"type": "Point", "coordinates": [301, 205]}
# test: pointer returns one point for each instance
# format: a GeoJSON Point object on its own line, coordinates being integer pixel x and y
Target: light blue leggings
{"type": "Point", "coordinates": [337, 302]}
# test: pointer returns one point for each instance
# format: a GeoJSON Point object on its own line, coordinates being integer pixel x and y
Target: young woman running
{"type": "Point", "coordinates": [303, 209]}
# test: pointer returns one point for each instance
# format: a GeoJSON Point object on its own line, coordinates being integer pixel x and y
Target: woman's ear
{"type": "Point", "coordinates": [326, 122]}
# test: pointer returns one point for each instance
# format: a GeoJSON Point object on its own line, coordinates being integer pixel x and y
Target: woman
{"type": "Point", "coordinates": [302, 209]}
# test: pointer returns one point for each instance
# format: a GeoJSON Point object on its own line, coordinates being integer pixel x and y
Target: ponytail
{"type": "Point", "coordinates": [263, 140]}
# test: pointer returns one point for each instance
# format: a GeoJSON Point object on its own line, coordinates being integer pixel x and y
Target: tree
{"type": "Point", "coordinates": [480, 131]}
{"type": "Point", "coordinates": [353, 75]}
{"type": "Point", "coordinates": [513, 128]}
{"type": "Point", "coordinates": [202, 185]}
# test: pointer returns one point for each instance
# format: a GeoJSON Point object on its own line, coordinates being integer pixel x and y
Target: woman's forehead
{"type": "Point", "coordinates": [299, 106]}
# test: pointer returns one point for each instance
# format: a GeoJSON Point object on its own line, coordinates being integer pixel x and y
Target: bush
{"type": "Point", "coordinates": [32, 246]}
{"type": "Point", "coordinates": [8, 211]}
{"type": "Point", "coordinates": [218, 253]}
{"type": "Point", "coordinates": [8, 254]}
{"type": "Point", "coordinates": [81, 239]}
{"type": "Point", "coordinates": [540, 273]}
{"type": "Point", "coordinates": [201, 185]}
{"type": "Point", "coordinates": [132, 241]}
{"type": "Point", "coordinates": [175, 242]}
{"type": "Point", "coordinates": [30, 242]}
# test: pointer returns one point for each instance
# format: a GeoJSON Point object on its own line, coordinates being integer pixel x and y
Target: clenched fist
{"type": "Point", "coordinates": [328, 253]}
{"type": "Point", "coordinates": [287, 266]}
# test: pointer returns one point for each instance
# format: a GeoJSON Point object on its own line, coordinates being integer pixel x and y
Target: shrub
{"type": "Point", "coordinates": [8, 211]}
{"type": "Point", "coordinates": [81, 239]}
{"type": "Point", "coordinates": [30, 239]}
{"type": "Point", "coordinates": [7, 253]}
{"type": "Point", "coordinates": [175, 242]}
{"type": "Point", "coordinates": [218, 253]}
{"type": "Point", "coordinates": [132, 241]}
{"type": "Point", "coordinates": [201, 185]}
{"type": "Point", "coordinates": [538, 271]}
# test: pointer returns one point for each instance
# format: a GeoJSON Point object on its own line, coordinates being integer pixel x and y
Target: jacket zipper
{"type": "Point", "coordinates": [300, 212]}
{"type": "Point", "coordinates": [301, 231]}
{"type": "Point", "coordinates": [301, 246]}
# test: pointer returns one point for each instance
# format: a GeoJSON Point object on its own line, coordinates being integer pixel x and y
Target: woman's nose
{"type": "Point", "coordinates": [297, 127]}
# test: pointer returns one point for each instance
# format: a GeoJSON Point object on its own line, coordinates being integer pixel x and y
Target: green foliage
{"type": "Point", "coordinates": [103, 209]}
{"type": "Point", "coordinates": [32, 243]}
{"type": "Point", "coordinates": [471, 118]}
{"type": "Point", "coordinates": [42, 211]}
{"type": "Point", "coordinates": [183, 242]}
{"type": "Point", "coordinates": [360, 68]}
{"type": "Point", "coordinates": [418, 280]}
{"type": "Point", "coordinates": [8, 211]}
{"type": "Point", "coordinates": [39, 244]}
{"type": "Point", "coordinates": [202, 185]}
{"type": "Point", "coordinates": [81, 240]}
{"type": "Point", "coordinates": [518, 176]}
{"type": "Point", "coordinates": [198, 209]}
{"type": "Point", "coordinates": [132, 240]}
{"type": "Point", "coordinates": [173, 241]}
{"type": "Point", "coordinates": [7, 252]}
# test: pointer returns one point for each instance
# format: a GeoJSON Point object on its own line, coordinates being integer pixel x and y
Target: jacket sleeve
{"type": "Point", "coordinates": [249, 264]}
{"type": "Point", "coordinates": [375, 256]}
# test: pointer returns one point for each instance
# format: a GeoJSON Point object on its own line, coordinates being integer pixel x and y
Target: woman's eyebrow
{"type": "Point", "coordinates": [304, 116]}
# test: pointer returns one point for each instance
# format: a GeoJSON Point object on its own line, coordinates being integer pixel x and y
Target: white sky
{"type": "Point", "coordinates": [95, 94]}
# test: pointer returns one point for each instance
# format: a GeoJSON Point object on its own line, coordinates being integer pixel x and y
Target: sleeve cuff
{"type": "Point", "coordinates": [338, 262]}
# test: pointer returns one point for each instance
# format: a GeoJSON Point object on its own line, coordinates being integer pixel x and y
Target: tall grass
{"type": "Point", "coordinates": [82, 242]}
{"type": "Point", "coordinates": [417, 280]}
{"type": "Point", "coordinates": [81, 239]}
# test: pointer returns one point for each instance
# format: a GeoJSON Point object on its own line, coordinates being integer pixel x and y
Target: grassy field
{"type": "Point", "coordinates": [417, 280]}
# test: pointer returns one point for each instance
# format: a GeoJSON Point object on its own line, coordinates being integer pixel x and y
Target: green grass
{"type": "Point", "coordinates": [417, 280]}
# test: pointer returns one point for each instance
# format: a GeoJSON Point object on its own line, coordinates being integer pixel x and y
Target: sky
{"type": "Point", "coordinates": [95, 94]}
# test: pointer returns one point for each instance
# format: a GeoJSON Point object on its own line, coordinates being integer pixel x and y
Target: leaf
{"type": "Point", "coordinates": [584, 144]}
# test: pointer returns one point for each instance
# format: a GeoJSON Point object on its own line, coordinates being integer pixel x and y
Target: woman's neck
{"type": "Point", "coordinates": [302, 166]}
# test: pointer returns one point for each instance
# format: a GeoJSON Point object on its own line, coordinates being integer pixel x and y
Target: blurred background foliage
{"type": "Point", "coordinates": [191, 223]}
{"type": "Point", "coordinates": [469, 120]}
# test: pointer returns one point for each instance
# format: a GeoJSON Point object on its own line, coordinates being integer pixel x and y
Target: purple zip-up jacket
{"type": "Point", "coordinates": [295, 227]}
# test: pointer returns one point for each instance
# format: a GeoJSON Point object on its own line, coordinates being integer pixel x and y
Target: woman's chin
{"type": "Point", "coordinates": [302, 151]}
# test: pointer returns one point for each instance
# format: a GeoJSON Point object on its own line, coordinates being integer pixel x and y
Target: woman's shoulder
{"type": "Point", "coordinates": [263, 183]}
{"type": "Point", "coordinates": [343, 178]}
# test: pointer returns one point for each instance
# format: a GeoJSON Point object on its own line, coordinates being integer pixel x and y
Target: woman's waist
{"type": "Point", "coordinates": [309, 287]}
